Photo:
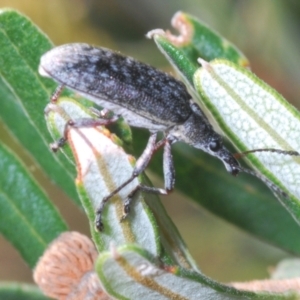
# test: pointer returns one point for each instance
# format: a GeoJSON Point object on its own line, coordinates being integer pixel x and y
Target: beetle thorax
{"type": "Point", "coordinates": [194, 131]}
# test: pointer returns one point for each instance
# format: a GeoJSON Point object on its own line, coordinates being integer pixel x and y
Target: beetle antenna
{"type": "Point", "coordinates": [272, 186]}
{"type": "Point", "coordinates": [284, 152]}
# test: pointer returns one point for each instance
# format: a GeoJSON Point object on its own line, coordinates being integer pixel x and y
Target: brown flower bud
{"type": "Point", "coordinates": [66, 269]}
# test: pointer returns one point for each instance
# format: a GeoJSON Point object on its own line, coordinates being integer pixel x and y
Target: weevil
{"type": "Point", "coordinates": [145, 97]}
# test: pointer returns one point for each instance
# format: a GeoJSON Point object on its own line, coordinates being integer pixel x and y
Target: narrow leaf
{"type": "Point", "coordinates": [140, 277]}
{"type": "Point", "coordinates": [15, 291]}
{"type": "Point", "coordinates": [24, 94]}
{"type": "Point", "coordinates": [255, 116]}
{"type": "Point", "coordinates": [195, 40]}
{"type": "Point", "coordinates": [27, 218]}
{"type": "Point", "coordinates": [206, 42]}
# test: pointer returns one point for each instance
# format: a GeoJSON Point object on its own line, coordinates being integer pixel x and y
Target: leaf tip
{"type": "Point", "coordinates": [205, 64]}
{"type": "Point", "coordinates": [152, 33]}
{"type": "Point", "coordinates": [182, 25]}
{"type": "Point", "coordinates": [6, 10]}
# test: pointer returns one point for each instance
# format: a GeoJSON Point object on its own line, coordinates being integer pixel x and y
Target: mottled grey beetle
{"type": "Point", "coordinates": [144, 97]}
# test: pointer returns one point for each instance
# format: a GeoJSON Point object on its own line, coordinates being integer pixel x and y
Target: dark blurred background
{"type": "Point", "coordinates": [266, 31]}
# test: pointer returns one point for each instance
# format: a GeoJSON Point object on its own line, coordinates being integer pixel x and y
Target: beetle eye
{"type": "Point", "coordinates": [214, 146]}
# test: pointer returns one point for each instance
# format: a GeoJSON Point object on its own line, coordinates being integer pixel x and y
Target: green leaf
{"type": "Point", "coordinates": [185, 67]}
{"type": "Point", "coordinates": [243, 201]}
{"type": "Point", "coordinates": [206, 43]}
{"type": "Point", "coordinates": [140, 277]}
{"type": "Point", "coordinates": [27, 218]}
{"type": "Point", "coordinates": [17, 291]}
{"type": "Point", "coordinates": [195, 40]}
{"type": "Point", "coordinates": [24, 94]}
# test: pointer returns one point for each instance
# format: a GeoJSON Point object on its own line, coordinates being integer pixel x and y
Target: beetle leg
{"type": "Point", "coordinates": [141, 164]}
{"type": "Point", "coordinates": [168, 167]}
{"type": "Point", "coordinates": [169, 178]}
{"type": "Point", "coordinates": [103, 113]}
{"type": "Point", "coordinates": [78, 124]}
{"type": "Point", "coordinates": [56, 93]}
{"type": "Point", "coordinates": [144, 159]}
{"type": "Point", "coordinates": [98, 220]}
{"type": "Point", "coordinates": [144, 188]}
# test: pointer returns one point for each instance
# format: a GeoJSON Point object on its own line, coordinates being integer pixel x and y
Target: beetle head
{"type": "Point", "coordinates": [215, 147]}
{"type": "Point", "coordinates": [199, 133]}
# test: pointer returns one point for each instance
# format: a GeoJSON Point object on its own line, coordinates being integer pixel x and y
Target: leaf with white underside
{"type": "Point", "coordinates": [140, 276]}
{"type": "Point", "coordinates": [254, 116]}
{"type": "Point", "coordinates": [102, 166]}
